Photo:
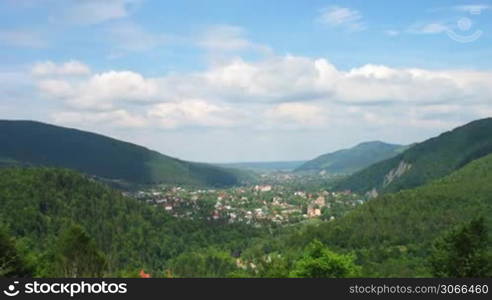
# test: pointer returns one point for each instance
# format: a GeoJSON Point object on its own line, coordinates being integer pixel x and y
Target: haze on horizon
{"type": "Point", "coordinates": [230, 81]}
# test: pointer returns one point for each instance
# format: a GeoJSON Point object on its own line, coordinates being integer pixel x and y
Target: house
{"type": "Point", "coordinates": [313, 212]}
{"type": "Point", "coordinates": [320, 201]}
{"type": "Point", "coordinates": [263, 188]}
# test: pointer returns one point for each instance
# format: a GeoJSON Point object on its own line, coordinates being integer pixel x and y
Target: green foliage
{"type": "Point", "coordinates": [392, 234]}
{"type": "Point", "coordinates": [351, 160]}
{"type": "Point", "coordinates": [12, 264]}
{"type": "Point", "coordinates": [39, 203]}
{"type": "Point", "coordinates": [429, 160]}
{"type": "Point", "coordinates": [462, 252]}
{"type": "Point", "coordinates": [32, 143]}
{"type": "Point", "coordinates": [320, 262]}
{"type": "Point", "coordinates": [76, 255]}
{"type": "Point", "coordinates": [208, 262]}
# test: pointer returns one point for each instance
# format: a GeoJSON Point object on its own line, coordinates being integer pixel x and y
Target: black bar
{"type": "Point", "coordinates": [250, 288]}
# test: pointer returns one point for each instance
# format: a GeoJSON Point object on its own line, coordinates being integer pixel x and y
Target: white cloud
{"type": "Point", "coordinates": [193, 113]}
{"type": "Point", "coordinates": [117, 118]}
{"type": "Point", "coordinates": [229, 38]}
{"type": "Point", "coordinates": [337, 16]}
{"type": "Point", "coordinates": [49, 68]}
{"type": "Point", "coordinates": [88, 12]}
{"type": "Point", "coordinates": [101, 91]}
{"type": "Point", "coordinates": [302, 91]}
{"type": "Point", "coordinates": [298, 114]}
{"type": "Point", "coordinates": [21, 38]}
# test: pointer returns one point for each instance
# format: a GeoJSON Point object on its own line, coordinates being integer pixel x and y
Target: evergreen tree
{"type": "Point", "coordinates": [77, 255]}
{"type": "Point", "coordinates": [462, 252]}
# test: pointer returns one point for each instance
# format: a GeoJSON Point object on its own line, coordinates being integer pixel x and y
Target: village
{"type": "Point", "coordinates": [259, 204]}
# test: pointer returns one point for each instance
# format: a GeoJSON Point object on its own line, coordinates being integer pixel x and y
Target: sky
{"type": "Point", "coordinates": [247, 80]}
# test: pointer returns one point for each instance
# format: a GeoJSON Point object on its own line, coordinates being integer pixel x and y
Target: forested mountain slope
{"type": "Point", "coordinates": [34, 143]}
{"type": "Point", "coordinates": [423, 162]}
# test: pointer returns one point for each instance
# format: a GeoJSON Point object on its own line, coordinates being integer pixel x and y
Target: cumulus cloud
{"type": "Point", "coordinates": [193, 113]}
{"type": "Point", "coordinates": [100, 91]}
{"type": "Point", "coordinates": [344, 17]}
{"type": "Point", "coordinates": [49, 68]}
{"type": "Point", "coordinates": [298, 90]}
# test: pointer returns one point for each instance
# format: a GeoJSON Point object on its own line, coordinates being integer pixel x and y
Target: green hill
{"type": "Point", "coordinates": [351, 160]}
{"type": "Point", "coordinates": [37, 204]}
{"type": "Point", "coordinates": [423, 162]}
{"type": "Point", "coordinates": [38, 144]}
{"type": "Point", "coordinates": [392, 234]}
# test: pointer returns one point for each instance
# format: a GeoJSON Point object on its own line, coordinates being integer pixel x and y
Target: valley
{"type": "Point", "coordinates": [265, 225]}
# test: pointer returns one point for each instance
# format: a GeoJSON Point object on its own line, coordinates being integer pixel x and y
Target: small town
{"type": "Point", "coordinates": [259, 204]}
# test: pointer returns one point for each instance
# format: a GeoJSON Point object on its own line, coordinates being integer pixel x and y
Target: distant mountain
{"type": "Point", "coordinates": [34, 143]}
{"type": "Point", "coordinates": [265, 166]}
{"type": "Point", "coordinates": [423, 162]}
{"type": "Point", "coordinates": [351, 160]}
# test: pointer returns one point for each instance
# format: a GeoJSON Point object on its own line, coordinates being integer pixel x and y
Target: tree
{"type": "Point", "coordinates": [462, 252]}
{"type": "Point", "coordinates": [320, 262]}
{"type": "Point", "coordinates": [208, 262]}
{"type": "Point", "coordinates": [11, 263]}
{"type": "Point", "coordinates": [76, 255]}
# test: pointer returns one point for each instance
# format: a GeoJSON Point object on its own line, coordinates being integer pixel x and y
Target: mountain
{"type": "Point", "coordinates": [392, 234]}
{"type": "Point", "coordinates": [423, 162]}
{"type": "Point", "coordinates": [348, 161]}
{"type": "Point", "coordinates": [34, 143]}
{"type": "Point", "coordinates": [265, 166]}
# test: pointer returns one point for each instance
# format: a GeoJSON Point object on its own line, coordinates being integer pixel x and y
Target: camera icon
{"type": "Point", "coordinates": [464, 25]}
{"type": "Point", "coordinates": [11, 290]}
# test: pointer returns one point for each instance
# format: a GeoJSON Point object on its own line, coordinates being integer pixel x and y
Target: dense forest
{"type": "Point", "coordinates": [53, 221]}
{"type": "Point", "coordinates": [37, 206]}
{"type": "Point", "coordinates": [393, 235]}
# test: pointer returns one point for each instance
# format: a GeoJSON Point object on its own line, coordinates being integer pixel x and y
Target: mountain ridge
{"type": "Point", "coordinates": [36, 143]}
{"type": "Point", "coordinates": [350, 160]}
{"type": "Point", "coordinates": [425, 161]}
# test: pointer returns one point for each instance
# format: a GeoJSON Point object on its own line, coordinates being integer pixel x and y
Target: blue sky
{"type": "Point", "coordinates": [247, 80]}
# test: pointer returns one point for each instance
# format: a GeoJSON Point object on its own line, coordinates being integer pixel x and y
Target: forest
{"type": "Point", "coordinates": [60, 223]}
